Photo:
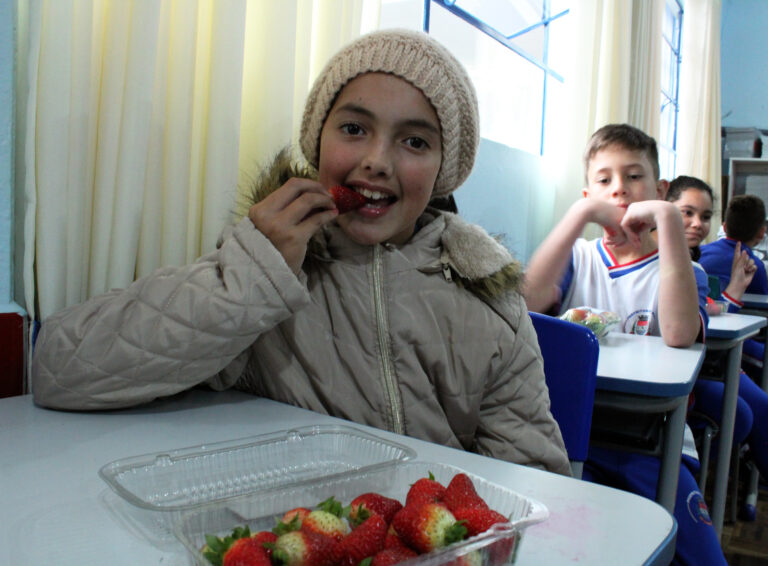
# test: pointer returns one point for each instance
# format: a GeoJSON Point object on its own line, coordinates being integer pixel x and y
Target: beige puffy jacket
{"type": "Point", "coordinates": [393, 337]}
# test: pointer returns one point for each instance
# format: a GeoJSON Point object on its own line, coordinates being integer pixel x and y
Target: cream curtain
{"type": "Point", "coordinates": [612, 79]}
{"type": "Point", "coordinates": [140, 116]}
{"type": "Point", "coordinates": [596, 90]}
{"type": "Point", "coordinates": [699, 120]}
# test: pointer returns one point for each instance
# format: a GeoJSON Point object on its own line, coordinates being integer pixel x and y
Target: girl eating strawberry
{"type": "Point", "coordinates": [392, 314]}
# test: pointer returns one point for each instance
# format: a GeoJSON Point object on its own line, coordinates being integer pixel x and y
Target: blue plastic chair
{"type": "Point", "coordinates": [570, 354]}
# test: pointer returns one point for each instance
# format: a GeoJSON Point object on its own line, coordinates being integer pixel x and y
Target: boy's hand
{"type": "Point", "coordinates": [742, 271]}
{"type": "Point", "coordinates": [642, 216]}
{"type": "Point", "coordinates": [291, 215]}
{"type": "Point", "coordinates": [610, 217]}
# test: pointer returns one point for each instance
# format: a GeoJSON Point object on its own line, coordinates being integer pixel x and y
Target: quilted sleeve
{"type": "Point", "coordinates": [168, 331]}
{"type": "Point", "coordinates": [515, 421]}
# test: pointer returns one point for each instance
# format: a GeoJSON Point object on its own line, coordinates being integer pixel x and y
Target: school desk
{"type": "Point", "coordinates": [728, 332]}
{"type": "Point", "coordinates": [756, 304]}
{"type": "Point", "coordinates": [640, 374]}
{"type": "Point", "coordinates": [54, 508]}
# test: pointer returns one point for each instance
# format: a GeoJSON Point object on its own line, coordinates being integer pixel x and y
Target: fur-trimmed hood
{"type": "Point", "coordinates": [476, 260]}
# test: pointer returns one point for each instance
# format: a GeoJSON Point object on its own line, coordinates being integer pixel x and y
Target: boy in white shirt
{"type": "Point", "coordinates": [648, 280]}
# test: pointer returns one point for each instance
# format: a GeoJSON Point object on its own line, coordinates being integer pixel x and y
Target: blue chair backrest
{"type": "Point", "coordinates": [570, 354]}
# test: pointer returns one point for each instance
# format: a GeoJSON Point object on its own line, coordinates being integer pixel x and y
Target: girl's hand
{"type": "Point", "coordinates": [742, 271]}
{"type": "Point", "coordinates": [291, 215]}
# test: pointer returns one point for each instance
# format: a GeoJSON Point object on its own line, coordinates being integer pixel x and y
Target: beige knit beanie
{"type": "Point", "coordinates": [427, 65]}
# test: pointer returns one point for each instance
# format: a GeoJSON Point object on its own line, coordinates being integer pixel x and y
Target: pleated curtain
{"type": "Point", "coordinates": [140, 120]}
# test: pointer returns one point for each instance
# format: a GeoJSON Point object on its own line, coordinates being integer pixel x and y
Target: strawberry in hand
{"type": "Point", "coordinates": [346, 199]}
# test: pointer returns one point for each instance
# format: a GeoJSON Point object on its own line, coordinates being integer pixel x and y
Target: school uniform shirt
{"type": "Point", "coordinates": [631, 290]}
{"type": "Point", "coordinates": [717, 259]}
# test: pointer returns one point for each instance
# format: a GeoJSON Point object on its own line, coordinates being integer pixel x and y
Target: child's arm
{"type": "Point", "coordinates": [679, 318]}
{"type": "Point", "coordinates": [742, 271]}
{"type": "Point", "coordinates": [546, 268]}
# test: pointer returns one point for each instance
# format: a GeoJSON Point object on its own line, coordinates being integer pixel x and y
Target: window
{"type": "Point", "coordinates": [505, 46]}
{"type": "Point", "coordinates": [670, 74]}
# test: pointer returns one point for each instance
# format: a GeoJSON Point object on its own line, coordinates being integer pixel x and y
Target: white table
{"type": "Point", "coordinates": [55, 509]}
{"type": "Point", "coordinates": [643, 375]}
{"type": "Point", "coordinates": [728, 332]}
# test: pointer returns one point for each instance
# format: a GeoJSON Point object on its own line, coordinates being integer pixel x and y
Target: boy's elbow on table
{"type": "Point", "coordinates": [680, 336]}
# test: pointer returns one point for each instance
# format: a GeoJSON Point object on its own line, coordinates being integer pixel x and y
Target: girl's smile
{"type": "Point", "coordinates": [390, 153]}
{"type": "Point", "coordinates": [696, 207]}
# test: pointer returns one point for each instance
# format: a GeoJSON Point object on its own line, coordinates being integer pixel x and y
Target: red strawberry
{"type": "Point", "coordinates": [461, 492]}
{"type": "Point", "coordinates": [326, 520]}
{"type": "Point", "coordinates": [301, 548]}
{"type": "Point", "coordinates": [425, 490]}
{"type": "Point", "coordinates": [478, 519]}
{"type": "Point", "coordinates": [392, 540]}
{"type": "Point", "coordinates": [363, 506]}
{"type": "Point", "coordinates": [265, 537]}
{"type": "Point", "coordinates": [246, 552]}
{"type": "Point", "coordinates": [366, 540]}
{"type": "Point", "coordinates": [346, 199]}
{"type": "Point", "coordinates": [216, 547]}
{"type": "Point", "coordinates": [390, 556]}
{"type": "Point", "coordinates": [428, 526]}
{"type": "Point", "coordinates": [577, 315]}
{"type": "Point", "coordinates": [298, 514]}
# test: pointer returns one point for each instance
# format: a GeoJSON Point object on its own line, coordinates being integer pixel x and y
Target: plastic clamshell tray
{"type": "Point", "coordinates": [259, 510]}
{"type": "Point", "coordinates": [182, 479]}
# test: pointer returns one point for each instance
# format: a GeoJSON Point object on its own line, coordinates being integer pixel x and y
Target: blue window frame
{"type": "Point", "coordinates": [670, 87]}
{"type": "Point", "coordinates": [523, 29]}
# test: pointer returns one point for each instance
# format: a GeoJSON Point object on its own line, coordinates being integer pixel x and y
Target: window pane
{"type": "Point", "coordinates": [510, 17]}
{"type": "Point", "coordinates": [408, 14]}
{"type": "Point", "coordinates": [510, 89]}
{"type": "Point", "coordinates": [668, 71]}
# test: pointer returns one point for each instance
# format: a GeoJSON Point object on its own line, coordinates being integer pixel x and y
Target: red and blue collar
{"type": "Point", "coordinates": [617, 270]}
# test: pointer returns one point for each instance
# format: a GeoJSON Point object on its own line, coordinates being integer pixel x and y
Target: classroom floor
{"type": "Point", "coordinates": [746, 543]}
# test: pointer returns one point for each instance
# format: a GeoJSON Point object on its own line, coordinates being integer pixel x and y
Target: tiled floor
{"type": "Point", "coordinates": [746, 543]}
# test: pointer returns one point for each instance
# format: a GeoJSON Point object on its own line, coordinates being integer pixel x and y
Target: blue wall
{"type": "Point", "coordinates": [744, 63]}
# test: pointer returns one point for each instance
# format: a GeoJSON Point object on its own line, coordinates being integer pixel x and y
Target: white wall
{"type": "Point", "coordinates": [744, 63]}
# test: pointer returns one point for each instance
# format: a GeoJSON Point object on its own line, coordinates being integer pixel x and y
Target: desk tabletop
{"type": "Point", "coordinates": [53, 503]}
{"type": "Point", "coordinates": [755, 301]}
{"type": "Point", "coordinates": [732, 326]}
{"type": "Point", "coordinates": [644, 365]}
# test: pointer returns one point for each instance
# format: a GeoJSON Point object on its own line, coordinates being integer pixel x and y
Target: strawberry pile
{"type": "Point", "coordinates": [373, 530]}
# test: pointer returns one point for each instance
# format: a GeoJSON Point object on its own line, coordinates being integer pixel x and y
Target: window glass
{"type": "Point", "coordinates": [506, 47]}
{"type": "Point", "coordinates": [509, 88]}
{"type": "Point", "coordinates": [670, 72]}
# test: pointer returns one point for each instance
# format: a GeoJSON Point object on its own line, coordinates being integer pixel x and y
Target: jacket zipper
{"type": "Point", "coordinates": [382, 333]}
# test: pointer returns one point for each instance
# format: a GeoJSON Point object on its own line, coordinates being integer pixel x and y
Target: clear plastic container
{"type": "Point", "coordinates": [259, 510]}
{"type": "Point", "coordinates": [168, 483]}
